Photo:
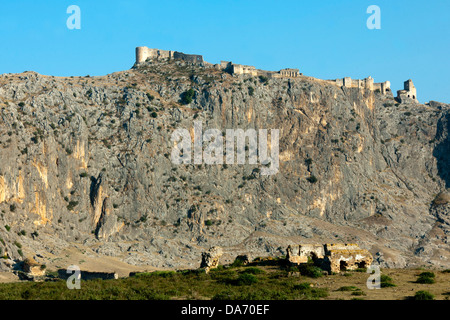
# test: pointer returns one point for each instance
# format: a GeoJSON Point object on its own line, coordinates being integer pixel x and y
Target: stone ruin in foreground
{"type": "Point", "coordinates": [334, 257]}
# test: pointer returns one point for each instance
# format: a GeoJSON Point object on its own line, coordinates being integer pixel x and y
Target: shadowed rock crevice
{"type": "Point", "coordinates": [442, 149]}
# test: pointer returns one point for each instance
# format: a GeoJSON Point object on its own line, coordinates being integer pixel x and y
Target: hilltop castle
{"type": "Point", "coordinates": [408, 94]}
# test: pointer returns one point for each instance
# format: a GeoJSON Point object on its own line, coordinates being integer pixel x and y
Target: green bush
{"type": "Point", "coordinates": [386, 281]}
{"type": "Point", "coordinates": [423, 295]}
{"type": "Point", "coordinates": [71, 205]}
{"type": "Point", "coordinates": [187, 96]}
{"type": "Point", "coordinates": [246, 279]}
{"type": "Point", "coordinates": [302, 286]}
{"type": "Point", "coordinates": [426, 278]}
{"type": "Point", "coordinates": [208, 223]}
{"type": "Point", "coordinates": [311, 271]}
{"type": "Point", "coordinates": [264, 80]}
{"type": "Point", "coordinates": [427, 274]}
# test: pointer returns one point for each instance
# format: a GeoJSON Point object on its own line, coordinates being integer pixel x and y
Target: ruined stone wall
{"type": "Point", "coordinates": [367, 83]}
{"type": "Point", "coordinates": [194, 58]}
{"type": "Point", "coordinates": [311, 250]}
{"type": "Point", "coordinates": [340, 246]}
{"type": "Point", "coordinates": [409, 93]}
{"type": "Point", "coordinates": [144, 53]}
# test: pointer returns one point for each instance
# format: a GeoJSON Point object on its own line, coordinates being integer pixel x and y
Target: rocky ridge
{"type": "Point", "coordinates": [85, 162]}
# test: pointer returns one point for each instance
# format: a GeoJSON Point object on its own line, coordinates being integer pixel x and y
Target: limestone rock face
{"type": "Point", "coordinates": [210, 258]}
{"type": "Point", "coordinates": [86, 162]}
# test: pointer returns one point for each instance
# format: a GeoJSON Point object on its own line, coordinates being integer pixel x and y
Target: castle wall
{"type": "Point", "coordinates": [144, 53]}
{"type": "Point", "coordinates": [194, 58]}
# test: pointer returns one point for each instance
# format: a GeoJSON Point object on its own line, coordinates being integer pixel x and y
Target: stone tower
{"type": "Point", "coordinates": [409, 92]}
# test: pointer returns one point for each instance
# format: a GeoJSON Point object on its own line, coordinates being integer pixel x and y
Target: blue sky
{"type": "Point", "coordinates": [326, 39]}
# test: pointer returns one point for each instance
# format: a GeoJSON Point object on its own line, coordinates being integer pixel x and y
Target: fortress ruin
{"type": "Point", "coordinates": [408, 94]}
{"type": "Point", "coordinates": [334, 257]}
{"type": "Point", "coordinates": [144, 53]}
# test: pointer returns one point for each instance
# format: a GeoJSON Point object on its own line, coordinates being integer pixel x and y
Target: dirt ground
{"type": "Point", "coordinates": [404, 279]}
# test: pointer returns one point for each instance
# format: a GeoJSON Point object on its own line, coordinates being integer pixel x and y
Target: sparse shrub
{"type": "Point", "coordinates": [386, 281]}
{"type": "Point", "coordinates": [348, 288]}
{"type": "Point", "coordinates": [208, 223]}
{"type": "Point", "coordinates": [251, 91]}
{"type": "Point", "coordinates": [187, 96]}
{"type": "Point", "coordinates": [7, 227]}
{"type": "Point", "coordinates": [72, 205]}
{"type": "Point", "coordinates": [312, 179]}
{"type": "Point", "coordinates": [423, 295]}
{"type": "Point", "coordinates": [426, 278]}
{"type": "Point", "coordinates": [264, 80]}
{"type": "Point", "coordinates": [83, 174]}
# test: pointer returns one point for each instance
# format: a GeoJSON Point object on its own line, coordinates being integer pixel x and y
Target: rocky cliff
{"type": "Point", "coordinates": [86, 162]}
